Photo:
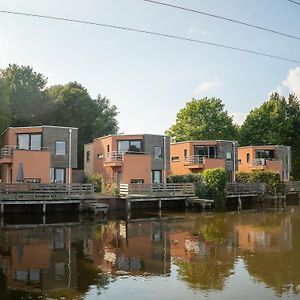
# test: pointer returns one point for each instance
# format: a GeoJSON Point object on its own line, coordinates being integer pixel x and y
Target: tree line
{"type": "Point", "coordinates": [275, 122]}
{"type": "Point", "coordinates": [26, 101]}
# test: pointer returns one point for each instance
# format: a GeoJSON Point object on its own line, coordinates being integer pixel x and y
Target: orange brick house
{"type": "Point", "coordinates": [197, 156]}
{"type": "Point", "coordinates": [128, 158]}
{"type": "Point", "coordinates": [275, 158]}
{"type": "Point", "coordinates": [45, 153]}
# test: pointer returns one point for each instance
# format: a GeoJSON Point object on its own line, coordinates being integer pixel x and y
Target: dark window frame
{"type": "Point", "coordinates": [160, 156]}
{"type": "Point", "coordinates": [60, 141]}
{"type": "Point", "coordinates": [54, 173]}
{"type": "Point", "coordinates": [29, 141]}
{"type": "Point", "coordinates": [161, 176]}
{"type": "Point", "coordinates": [129, 145]}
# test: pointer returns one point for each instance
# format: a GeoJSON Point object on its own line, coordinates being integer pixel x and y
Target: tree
{"type": "Point", "coordinates": [276, 121]}
{"type": "Point", "coordinates": [71, 105]}
{"type": "Point", "coordinates": [4, 106]}
{"type": "Point", "coordinates": [201, 120]}
{"type": "Point", "coordinates": [25, 95]}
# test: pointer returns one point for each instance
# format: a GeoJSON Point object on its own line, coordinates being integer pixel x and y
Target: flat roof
{"type": "Point", "coordinates": [203, 141]}
{"type": "Point", "coordinates": [129, 135]}
{"type": "Point", "coordinates": [39, 126]}
{"type": "Point", "coordinates": [263, 146]}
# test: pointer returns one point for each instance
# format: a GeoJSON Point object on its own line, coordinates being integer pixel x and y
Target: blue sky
{"type": "Point", "coordinates": [151, 78]}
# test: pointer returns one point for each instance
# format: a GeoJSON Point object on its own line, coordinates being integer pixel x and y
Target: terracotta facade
{"type": "Point", "coordinates": [44, 153]}
{"type": "Point", "coordinates": [128, 158]}
{"type": "Point", "coordinates": [197, 156]}
{"type": "Point", "coordinates": [276, 158]}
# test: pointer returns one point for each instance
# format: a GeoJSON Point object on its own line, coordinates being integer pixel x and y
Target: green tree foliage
{"type": "Point", "coordinates": [71, 105]}
{"type": "Point", "coordinates": [24, 89]}
{"type": "Point", "coordinates": [24, 101]}
{"type": "Point", "coordinates": [201, 120]}
{"type": "Point", "coordinates": [271, 179]}
{"type": "Point", "coordinates": [4, 106]}
{"type": "Point", "coordinates": [276, 121]}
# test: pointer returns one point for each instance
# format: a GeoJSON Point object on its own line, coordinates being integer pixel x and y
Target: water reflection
{"type": "Point", "coordinates": [200, 253]}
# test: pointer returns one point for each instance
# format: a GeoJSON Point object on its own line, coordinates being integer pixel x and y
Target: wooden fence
{"type": "Point", "coordinates": [157, 190]}
{"type": "Point", "coordinates": [254, 188]}
{"type": "Point", "coordinates": [39, 189]}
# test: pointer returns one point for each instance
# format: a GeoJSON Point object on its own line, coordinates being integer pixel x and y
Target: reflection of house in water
{"type": "Point", "coordinates": [265, 237]}
{"type": "Point", "coordinates": [38, 260]}
{"type": "Point", "coordinates": [134, 247]}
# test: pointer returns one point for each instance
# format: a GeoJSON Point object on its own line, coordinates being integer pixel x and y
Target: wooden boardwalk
{"type": "Point", "coordinates": [43, 195]}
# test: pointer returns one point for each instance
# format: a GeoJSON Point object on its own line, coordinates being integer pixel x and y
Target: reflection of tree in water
{"type": "Point", "coordinates": [277, 268]}
{"type": "Point", "coordinates": [209, 270]}
{"type": "Point", "coordinates": [208, 273]}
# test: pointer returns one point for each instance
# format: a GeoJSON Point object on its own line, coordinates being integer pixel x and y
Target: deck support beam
{"type": "Point", "coordinates": [128, 204]}
{"type": "Point", "coordinates": [240, 204]}
{"type": "Point", "coordinates": [2, 209]}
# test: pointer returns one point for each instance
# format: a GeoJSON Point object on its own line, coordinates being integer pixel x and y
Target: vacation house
{"type": "Point", "coordinates": [129, 158]}
{"type": "Point", "coordinates": [275, 158]}
{"type": "Point", "coordinates": [197, 156]}
{"type": "Point", "coordinates": [40, 154]}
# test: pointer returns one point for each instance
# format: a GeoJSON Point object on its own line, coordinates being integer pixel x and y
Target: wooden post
{"type": "Point", "coordinates": [159, 204]}
{"type": "Point", "coordinates": [240, 203]}
{"type": "Point", "coordinates": [44, 208]}
{"type": "Point", "coordinates": [128, 204]}
{"type": "Point", "coordinates": [2, 209]}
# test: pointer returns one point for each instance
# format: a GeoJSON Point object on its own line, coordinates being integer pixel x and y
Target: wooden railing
{"type": "Point", "coordinates": [156, 190]}
{"type": "Point", "coordinates": [46, 189]}
{"type": "Point", "coordinates": [292, 186]}
{"type": "Point", "coordinates": [198, 159]}
{"type": "Point", "coordinates": [113, 156]}
{"type": "Point", "coordinates": [7, 151]}
{"type": "Point", "coordinates": [245, 188]}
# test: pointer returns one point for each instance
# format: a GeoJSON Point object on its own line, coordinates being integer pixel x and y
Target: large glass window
{"type": "Point", "coordinates": [207, 151]}
{"type": "Point", "coordinates": [156, 176]}
{"type": "Point", "coordinates": [129, 146]}
{"type": "Point", "coordinates": [269, 154]}
{"type": "Point", "coordinates": [57, 175]}
{"type": "Point", "coordinates": [29, 141]}
{"type": "Point", "coordinates": [36, 142]}
{"type": "Point", "coordinates": [23, 141]}
{"type": "Point", "coordinates": [60, 148]}
{"type": "Point", "coordinates": [157, 152]}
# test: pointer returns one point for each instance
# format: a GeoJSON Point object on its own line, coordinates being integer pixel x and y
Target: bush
{"type": "Point", "coordinates": [215, 180]}
{"type": "Point", "coordinates": [270, 178]}
{"type": "Point", "coordinates": [193, 177]}
{"type": "Point", "coordinates": [96, 180]}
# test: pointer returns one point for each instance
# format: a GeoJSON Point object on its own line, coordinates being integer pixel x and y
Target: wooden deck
{"type": "Point", "coordinates": [43, 194]}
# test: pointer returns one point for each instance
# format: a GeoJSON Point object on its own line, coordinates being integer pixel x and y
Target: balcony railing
{"type": "Point", "coordinates": [116, 156]}
{"type": "Point", "coordinates": [260, 162]}
{"type": "Point", "coordinates": [7, 151]}
{"type": "Point", "coordinates": [197, 159]}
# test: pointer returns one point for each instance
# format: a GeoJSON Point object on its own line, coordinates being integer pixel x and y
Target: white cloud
{"type": "Point", "coordinates": [292, 82]}
{"type": "Point", "coordinates": [238, 117]}
{"type": "Point", "coordinates": [193, 30]}
{"type": "Point", "coordinates": [207, 86]}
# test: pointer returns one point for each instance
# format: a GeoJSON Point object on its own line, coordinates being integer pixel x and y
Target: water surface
{"type": "Point", "coordinates": [253, 255]}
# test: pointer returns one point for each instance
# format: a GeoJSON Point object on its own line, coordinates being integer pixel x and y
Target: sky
{"type": "Point", "coordinates": [151, 78]}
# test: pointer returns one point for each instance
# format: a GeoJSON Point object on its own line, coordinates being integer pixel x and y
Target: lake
{"type": "Point", "coordinates": [173, 255]}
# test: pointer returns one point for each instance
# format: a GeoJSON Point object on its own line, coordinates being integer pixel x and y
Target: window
{"type": "Point", "coordinates": [156, 176]}
{"type": "Point", "coordinates": [248, 157]}
{"type": "Point", "coordinates": [269, 154]}
{"type": "Point", "coordinates": [36, 142]}
{"type": "Point", "coordinates": [29, 141]}
{"type": "Point", "coordinates": [60, 148]}
{"type": "Point", "coordinates": [99, 156]}
{"type": "Point", "coordinates": [107, 148]}
{"type": "Point", "coordinates": [185, 153]}
{"type": "Point", "coordinates": [228, 155]}
{"type": "Point", "coordinates": [157, 152]}
{"type": "Point", "coordinates": [206, 151]}
{"type": "Point", "coordinates": [137, 181]}
{"type": "Point", "coordinates": [88, 155]}
{"type": "Point", "coordinates": [57, 175]}
{"type": "Point", "coordinates": [129, 146]}
{"type": "Point", "coordinates": [175, 158]}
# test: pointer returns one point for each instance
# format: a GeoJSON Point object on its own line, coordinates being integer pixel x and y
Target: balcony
{"type": "Point", "coordinates": [113, 159]}
{"type": "Point", "coordinates": [6, 153]}
{"type": "Point", "coordinates": [203, 162]}
{"type": "Point", "coordinates": [264, 163]}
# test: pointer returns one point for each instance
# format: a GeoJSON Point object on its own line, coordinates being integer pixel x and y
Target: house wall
{"type": "Point", "coordinates": [89, 165]}
{"type": "Point", "coordinates": [53, 134]}
{"type": "Point", "coordinates": [36, 164]}
{"type": "Point", "coordinates": [136, 166]}
{"type": "Point", "coordinates": [9, 137]}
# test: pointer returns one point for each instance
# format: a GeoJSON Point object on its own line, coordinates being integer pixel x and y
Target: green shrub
{"type": "Point", "coordinates": [192, 177]}
{"type": "Point", "coordinates": [96, 180]}
{"type": "Point", "coordinates": [215, 181]}
{"type": "Point", "coordinates": [270, 178]}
